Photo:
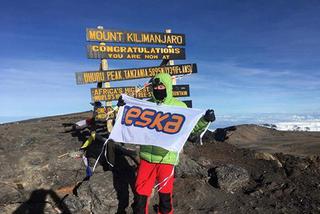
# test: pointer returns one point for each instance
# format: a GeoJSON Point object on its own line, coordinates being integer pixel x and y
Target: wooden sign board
{"type": "Point", "coordinates": [132, 73]}
{"type": "Point", "coordinates": [134, 52]}
{"type": "Point", "coordinates": [102, 113]}
{"type": "Point", "coordinates": [116, 36]}
{"type": "Point", "coordinates": [109, 94]}
{"type": "Point", "coordinates": [188, 103]}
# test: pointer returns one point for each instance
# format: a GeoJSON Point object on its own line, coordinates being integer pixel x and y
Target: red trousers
{"type": "Point", "coordinates": [148, 173]}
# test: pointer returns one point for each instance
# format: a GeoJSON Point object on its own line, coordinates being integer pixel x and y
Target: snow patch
{"type": "Point", "coordinates": [312, 125]}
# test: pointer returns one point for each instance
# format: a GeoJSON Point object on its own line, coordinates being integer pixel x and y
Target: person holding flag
{"type": "Point", "coordinates": [157, 163]}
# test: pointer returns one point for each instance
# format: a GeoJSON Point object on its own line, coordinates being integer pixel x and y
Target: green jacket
{"type": "Point", "coordinates": [155, 154]}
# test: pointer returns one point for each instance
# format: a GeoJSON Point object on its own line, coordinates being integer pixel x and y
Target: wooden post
{"type": "Point", "coordinates": [171, 62]}
{"type": "Point", "coordinates": [103, 67]}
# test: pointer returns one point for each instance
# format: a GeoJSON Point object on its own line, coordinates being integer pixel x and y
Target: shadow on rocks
{"type": "Point", "coordinates": [124, 173]}
{"type": "Point", "coordinates": [124, 161]}
{"type": "Point", "coordinates": [38, 201]}
{"type": "Point", "coordinates": [213, 181]}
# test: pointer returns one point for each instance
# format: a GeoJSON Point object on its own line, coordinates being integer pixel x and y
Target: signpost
{"type": "Point", "coordinates": [134, 52]}
{"type": "Point", "coordinates": [133, 73]}
{"type": "Point", "coordinates": [109, 94]}
{"type": "Point", "coordinates": [116, 36]}
{"type": "Point", "coordinates": [130, 45]}
{"type": "Point", "coordinates": [102, 113]}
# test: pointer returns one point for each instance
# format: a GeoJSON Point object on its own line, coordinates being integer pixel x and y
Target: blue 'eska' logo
{"type": "Point", "coordinates": [161, 122]}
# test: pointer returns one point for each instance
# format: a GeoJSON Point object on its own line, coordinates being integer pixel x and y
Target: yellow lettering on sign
{"type": "Point", "coordinates": [145, 38]}
{"type": "Point", "coordinates": [136, 39]}
{"type": "Point", "coordinates": [102, 116]}
{"type": "Point", "coordinates": [129, 37]}
{"type": "Point", "coordinates": [109, 49]}
{"type": "Point", "coordinates": [118, 75]}
{"type": "Point", "coordinates": [143, 93]}
{"type": "Point", "coordinates": [95, 48]}
{"type": "Point", "coordinates": [187, 69]}
{"type": "Point", "coordinates": [132, 49]}
{"type": "Point", "coordinates": [108, 94]}
{"type": "Point", "coordinates": [180, 93]}
{"type": "Point", "coordinates": [117, 49]}
{"type": "Point", "coordinates": [151, 38]}
{"type": "Point", "coordinates": [151, 56]}
{"type": "Point", "coordinates": [92, 35]}
{"type": "Point", "coordinates": [102, 48]}
{"type": "Point", "coordinates": [101, 35]}
{"type": "Point", "coordinates": [127, 74]}
{"type": "Point", "coordinates": [130, 91]}
{"type": "Point", "coordinates": [93, 77]}
{"type": "Point", "coordinates": [115, 56]}
{"type": "Point", "coordinates": [98, 97]}
{"type": "Point", "coordinates": [111, 75]}
{"type": "Point", "coordinates": [115, 91]}
{"type": "Point", "coordinates": [134, 56]}
{"type": "Point", "coordinates": [122, 49]}
{"type": "Point", "coordinates": [100, 110]}
{"type": "Point", "coordinates": [168, 39]}
{"type": "Point", "coordinates": [113, 36]}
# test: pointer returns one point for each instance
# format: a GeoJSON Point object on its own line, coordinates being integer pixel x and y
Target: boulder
{"type": "Point", "coordinates": [189, 168]}
{"type": "Point", "coordinates": [229, 177]}
{"type": "Point", "coordinates": [269, 157]}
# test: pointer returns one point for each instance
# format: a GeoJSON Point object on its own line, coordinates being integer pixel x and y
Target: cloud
{"type": "Point", "coordinates": [233, 75]}
{"type": "Point", "coordinates": [41, 87]}
{"type": "Point", "coordinates": [231, 87]}
{"type": "Point", "coordinates": [37, 74]}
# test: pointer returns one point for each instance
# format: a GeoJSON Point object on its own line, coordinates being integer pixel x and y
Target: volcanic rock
{"type": "Point", "coordinates": [42, 171]}
{"type": "Point", "coordinates": [229, 177]}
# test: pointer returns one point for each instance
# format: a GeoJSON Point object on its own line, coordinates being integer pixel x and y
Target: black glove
{"type": "Point", "coordinates": [120, 102]}
{"type": "Point", "coordinates": [209, 115]}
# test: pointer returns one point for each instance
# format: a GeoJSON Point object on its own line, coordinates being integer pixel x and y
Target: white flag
{"type": "Point", "coordinates": [146, 123]}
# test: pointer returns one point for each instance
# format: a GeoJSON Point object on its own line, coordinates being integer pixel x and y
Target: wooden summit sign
{"type": "Point", "coordinates": [109, 94]}
{"type": "Point", "coordinates": [101, 113]}
{"type": "Point", "coordinates": [133, 73]}
{"type": "Point", "coordinates": [134, 52]}
{"type": "Point", "coordinates": [130, 45]}
{"type": "Point", "coordinates": [116, 36]}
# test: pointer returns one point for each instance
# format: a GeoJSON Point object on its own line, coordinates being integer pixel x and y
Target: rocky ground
{"type": "Point", "coordinates": [42, 172]}
{"type": "Point", "coordinates": [259, 138]}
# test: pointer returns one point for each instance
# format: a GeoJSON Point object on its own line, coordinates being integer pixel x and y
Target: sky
{"type": "Point", "coordinates": [253, 56]}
